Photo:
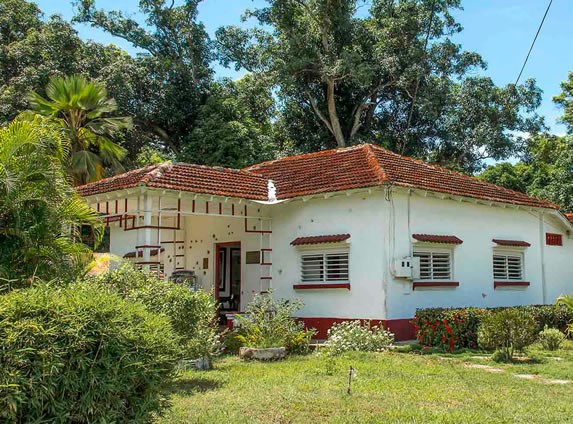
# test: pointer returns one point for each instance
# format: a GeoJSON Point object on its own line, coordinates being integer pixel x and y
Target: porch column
{"type": "Point", "coordinates": [147, 207]}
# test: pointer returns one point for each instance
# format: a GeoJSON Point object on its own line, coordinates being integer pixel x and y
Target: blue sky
{"type": "Point", "coordinates": [500, 30]}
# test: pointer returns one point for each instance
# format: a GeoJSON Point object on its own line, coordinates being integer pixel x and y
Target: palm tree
{"type": "Point", "coordinates": [38, 206]}
{"type": "Point", "coordinates": [566, 301]}
{"type": "Point", "coordinates": [82, 109]}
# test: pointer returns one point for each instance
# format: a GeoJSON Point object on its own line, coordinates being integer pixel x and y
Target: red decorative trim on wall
{"type": "Point", "coordinates": [553, 239]}
{"type": "Point", "coordinates": [514, 243]}
{"type": "Point", "coordinates": [434, 238]}
{"type": "Point", "coordinates": [497, 284]}
{"type": "Point", "coordinates": [321, 286]}
{"type": "Point", "coordinates": [332, 238]}
{"type": "Point", "coordinates": [421, 284]}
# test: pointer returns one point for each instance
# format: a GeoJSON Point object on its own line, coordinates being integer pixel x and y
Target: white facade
{"type": "Point", "coordinates": [380, 222]}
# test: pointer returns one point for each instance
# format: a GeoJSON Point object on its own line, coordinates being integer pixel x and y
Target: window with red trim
{"type": "Point", "coordinates": [552, 239]}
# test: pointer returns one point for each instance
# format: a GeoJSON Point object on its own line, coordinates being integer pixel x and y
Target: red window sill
{"type": "Point", "coordinates": [321, 286]}
{"type": "Point", "coordinates": [421, 284]}
{"type": "Point", "coordinates": [497, 284]}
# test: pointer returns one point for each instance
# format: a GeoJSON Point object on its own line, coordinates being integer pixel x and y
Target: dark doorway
{"type": "Point", "coordinates": [228, 276]}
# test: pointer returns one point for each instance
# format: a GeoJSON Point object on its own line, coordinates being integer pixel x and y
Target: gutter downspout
{"type": "Point", "coordinates": [542, 254]}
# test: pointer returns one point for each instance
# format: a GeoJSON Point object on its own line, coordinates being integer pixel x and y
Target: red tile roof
{"type": "Point", "coordinates": [368, 165]}
{"type": "Point", "coordinates": [334, 238]}
{"type": "Point", "coordinates": [185, 177]}
{"type": "Point", "coordinates": [432, 238]}
{"type": "Point", "coordinates": [515, 243]}
{"type": "Point", "coordinates": [312, 173]}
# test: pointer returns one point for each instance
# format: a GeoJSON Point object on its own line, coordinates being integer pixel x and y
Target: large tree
{"type": "Point", "coordinates": [176, 56]}
{"type": "Point", "coordinates": [234, 127]}
{"type": "Point", "coordinates": [545, 171]}
{"type": "Point", "coordinates": [84, 113]}
{"type": "Point", "coordinates": [565, 101]}
{"type": "Point", "coordinates": [32, 50]}
{"type": "Point", "coordinates": [391, 75]}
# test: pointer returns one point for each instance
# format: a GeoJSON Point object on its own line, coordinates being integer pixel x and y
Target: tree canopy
{"type": "Point", "coordinates": [391, 76]}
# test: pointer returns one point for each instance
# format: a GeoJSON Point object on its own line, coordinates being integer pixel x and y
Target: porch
{"type": "Point", "coordinates": [224, 242]}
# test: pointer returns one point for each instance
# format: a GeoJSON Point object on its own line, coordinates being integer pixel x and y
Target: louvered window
{"type": "Point", "coordinates": [508, 266]}
{"type": "Point", "coordinates": [435, 265]}
{"type": "Point", "coordinates": [324, 267]}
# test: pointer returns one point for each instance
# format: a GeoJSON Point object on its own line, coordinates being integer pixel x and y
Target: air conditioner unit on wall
{"type": "Point", "coordinates": [407, 267]}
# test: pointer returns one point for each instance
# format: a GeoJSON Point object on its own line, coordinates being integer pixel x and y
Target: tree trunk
{"type": "Point", "coordinates": [333, 115]}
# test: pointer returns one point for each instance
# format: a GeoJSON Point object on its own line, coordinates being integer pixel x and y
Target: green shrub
{"type": "Point", "coordinates": [75, 354]}
{"type": "Point", "coordinates": [551, 338]}
{"type": "Point", "coordinates": [270, 323]}
{"type": "Point", "coordinates": [191, 314]}
{"type": "Point", "coordinates": [448, 328]}
{"type": "Point", "coordinates": [508, 331]}
{"type": "Point", "coordinates": [454, 328]}
{"type": "Point", "coordinates": [353, 336]}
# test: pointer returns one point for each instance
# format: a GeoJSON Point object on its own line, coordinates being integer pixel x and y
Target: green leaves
{"type": "Point", "coordinates": [38, 207]}
{"type": "Point", "coordinates": [79, 108]}
{"type": "Point", "coordinates": [81, 354]}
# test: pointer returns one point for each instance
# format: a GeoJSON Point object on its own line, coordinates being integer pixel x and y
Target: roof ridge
{"type": "Point", "coordinates": [221, 168]}
{"type": "Point", "coordinates": [373, 162]}
{"type": "Point", "coordinates": [434, 166]}
{"type": "Point", "coordinates": [153, 166]}
{"type": "Point", "coordinates": [301, 155]}
{"type": "Point", "coordinates": [157, 172]}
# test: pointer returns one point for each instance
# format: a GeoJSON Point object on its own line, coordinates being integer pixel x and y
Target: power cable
{"type": "Point", "coordinates": [534, 40]}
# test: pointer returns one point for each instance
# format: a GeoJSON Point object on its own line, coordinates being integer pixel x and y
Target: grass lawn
{"type": "Point", "coordinates": [390, 387]}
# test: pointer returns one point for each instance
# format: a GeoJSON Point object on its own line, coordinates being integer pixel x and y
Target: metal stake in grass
{"type": "Point", "coordinates": [351, 375]}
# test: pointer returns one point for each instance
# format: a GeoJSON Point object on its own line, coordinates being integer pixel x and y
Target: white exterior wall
{"type": "Point", "coordinates": [380, 232]}
{"type": "Point", "coordinates": [558, 263]}
{"type": "Point", "coordinates": [203, 233]}
{"type": "Point", "coordinates": [472, 260]}
{"type": "Point", "coordinates": [358, 215]}
{"type": "Point", "coordinates": [200, 234]}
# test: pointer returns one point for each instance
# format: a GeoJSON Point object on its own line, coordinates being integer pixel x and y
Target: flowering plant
{"type": "Point", "coordinates": [354, 336]}
{"type": "Point", "coordinates": [448, 328]}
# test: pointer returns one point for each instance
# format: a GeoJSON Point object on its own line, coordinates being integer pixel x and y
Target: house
{"type": "Point", "coordinates": [355, 233]}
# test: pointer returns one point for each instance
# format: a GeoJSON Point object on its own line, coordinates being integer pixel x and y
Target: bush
{"type": "Point", "coordinates": [270, 323]}
{"type": "Point", "coordinates": [507, 331]}
{"type": "Point", "coordinates": [551, 338]}
{"type": "Point", "coordinates": [432, 324]}
{"type": "Point", "coordinates": [353, 336]}
{"type": "Point", "coordinates": [448, 328]}
{"type": "Point", "coordinates": [191, 314]}
{"type": "Point", "coordinates": [76, 354]}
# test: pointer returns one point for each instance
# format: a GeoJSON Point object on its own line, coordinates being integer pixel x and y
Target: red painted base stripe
{"type": "Point", "coordinates": [402, 328]}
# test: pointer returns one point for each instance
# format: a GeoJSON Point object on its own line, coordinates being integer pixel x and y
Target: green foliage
{"type": "Point", "coordinates": [346, 76]}
{"type": "Point", "coordinates": [507, 331]}
{"type": "Point", "coordinates": [567, 302]}
{"type": "Point", "coordinates": [353, 336]}
{"type": "Point", "coordinates": [191, 314]}
{"type": "Point", "coordinates": [269, 323]}
{"type": "Point", "coordinates": [565, 101]}
{"type": "Point", "coordinates": [551, 338]}
{"type": "Point", "coordinates": [82, 110]}
{"type": "Point", "coordinates": [448, 328]}
{"type": "Point", "coordinates": [77, 354]}
{"type": "Point", "coordinates": [233, 126]}
{"type": "Point", "coordinates": [544, 172]}
{"type": "Point", "coordinates": [40, 213]}
{"type": "Point", "coordinates": [432, 324]}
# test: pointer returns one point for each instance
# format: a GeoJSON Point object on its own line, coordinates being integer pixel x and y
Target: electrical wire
{"type": "Point", "coordinates": [534, 40]}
